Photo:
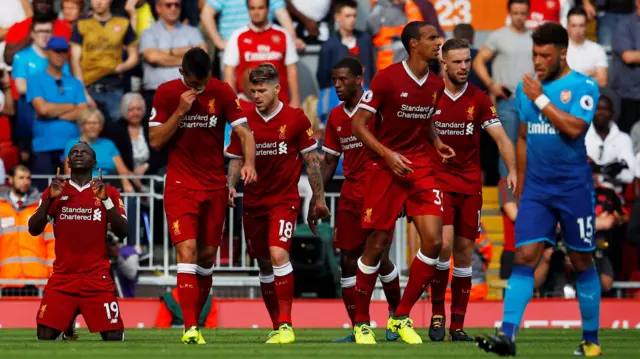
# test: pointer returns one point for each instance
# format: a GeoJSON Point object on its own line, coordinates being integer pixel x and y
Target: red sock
{"type": "Point", "coordinates": [204, 285]}
{"type": "Point", "coordinates": [284, 291]}
{"type": "Point", "coordinates": [188, 293]}
{"type": "Point", "coordinates": [391, 287]}
{"type": "Point", "coordinates": [420, 275]}
{"type": "Point", "coordinates": [460, 292]}
{"type": "Point", "coordinates": [268, 287]}
{"type": "Point", "coordinates": [349, 296]}
{"type": "Point", "coordinates": [439, 288]}
{"type": "Point", "coordinates": [365, 283]}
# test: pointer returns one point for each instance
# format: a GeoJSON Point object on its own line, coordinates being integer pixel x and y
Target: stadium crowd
{"type": "Point", "coordinates": [88, 70]}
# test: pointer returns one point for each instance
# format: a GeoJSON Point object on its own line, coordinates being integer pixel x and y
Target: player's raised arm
{"type": "Point", "coordinates": [115, 212]}
{"type": "Point", "coordinates": [565, 122]}
{"type": "Point", "coordinates": [39, 220]}
{"type": "Point", "coordinates": [162, 129]}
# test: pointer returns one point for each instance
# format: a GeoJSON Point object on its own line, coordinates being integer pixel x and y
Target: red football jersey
{"type": "Point", "coordinates": [80, 228]}
{"type": "Point", "coordinates": [338, 140]}
{"type": "Point", "coordinates": [249, 47]}
{"type": "Point", "coordinates": [543, 11]}
{"type": "Point", "coordinates": [404, 105]}
{"type": "Point", "coordinates": [196, 151]}
{"type": "Point", "coordinates": [458, 121]}
{"type": "Point", "coordinates": [280, 139]}
{"type": "Point", "coordinates": [19, 31]}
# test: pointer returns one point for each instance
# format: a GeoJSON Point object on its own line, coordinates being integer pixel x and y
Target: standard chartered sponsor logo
{"type": "Point", "coordinates": [199, 121]}
{"type": "Point", "coordinates": [541, 128]}
{"type": "Point", "coordinates": [80, 214]}
{"type": "Point", "coordinates": [469, 130]}
{"type": "Point", "coordinates": [349, 143]}
{"type": "Point", "coordinates": [416, 112]}
{"type": "Point", "coordinates": [453, 128]}
{"type": "Point", "coordinates": [271, 148]}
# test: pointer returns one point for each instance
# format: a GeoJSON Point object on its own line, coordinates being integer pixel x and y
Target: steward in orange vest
{"type": "Point", "coordinates": [23, 256]}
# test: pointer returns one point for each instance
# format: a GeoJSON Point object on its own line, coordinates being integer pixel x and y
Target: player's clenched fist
{"type": "Point", "coordinates": [531, 87]}
{"type": "Point", "coordinates": [398, 163]}
{"type": "Point", "coordinates": [186, 100]}
{"type": "Point", "coordinates": [446, 152]}
{"type": "Point", "coordinates": [248, 174]}
{"type": "Point", "coordinates": [57, 185]}
{"type": "Point", "coordinates": [99, 188]}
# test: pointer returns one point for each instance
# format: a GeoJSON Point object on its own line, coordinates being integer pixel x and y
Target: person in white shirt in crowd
{"type": "Point", "coordinates": [610, 150]}
{"type": "Point", "coordinates": [310, 19]}
{"type": "Point", "coordinates": [585, 56]}
{"type": "Point", "coordinates": [13, 11]}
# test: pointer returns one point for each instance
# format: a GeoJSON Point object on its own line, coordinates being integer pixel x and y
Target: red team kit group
{"type": "Point", "coordinates": [192, 117]}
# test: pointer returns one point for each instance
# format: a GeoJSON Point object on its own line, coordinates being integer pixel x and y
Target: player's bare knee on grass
{"type": "Point", "coordinates": [265, 266]}
{"type": "Point", "coordinates": [581, 261]}
{"type": "Point", "coordinates": [47, 333]}
{"type": "Point", "coordinates": [279, 256]}
{"type": "Point", "coordinates": [529, 254]}
{"type": "Point", "coordinates": [187, 251]}
{"type": "Point", "coordinates": [112, 336]}
{"type": "Point", "coordinates": [463, 251]}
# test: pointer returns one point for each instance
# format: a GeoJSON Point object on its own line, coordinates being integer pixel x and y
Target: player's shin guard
{"type": "Point", "coordinates": [284, 291]}
{"type": "Point", "coordinates": [589, 299]}
{"type": "Point", "coordinates": [204, 276]}
{"type": "Point", "coordinates": [439, 287]}
{"type": "Point", "coordinates": [460, 292]}
{"type": "Point", "coordinates": [349, 297]}
{"type": "Point", "coordinates": [517, 295]}
{"type": "Point", "coordinates": [366, 277]}
{"type": "Point", "coordinates": [189, 294]}
{"type": "Point", "coordinates": [391, 287]}
{"type": "Point", "coordinates": [268, 288]}
{"type": "Point", "coordinates": [422, 271]}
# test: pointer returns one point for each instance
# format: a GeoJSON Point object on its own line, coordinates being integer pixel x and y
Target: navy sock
{"type": "Point", "coordinates": [517, 295]}
{"type": "Point", "coordinates": [589, 291]}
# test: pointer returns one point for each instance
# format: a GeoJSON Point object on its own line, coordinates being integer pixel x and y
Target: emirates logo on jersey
{"type": "Point", "coordinates": [264, 53]}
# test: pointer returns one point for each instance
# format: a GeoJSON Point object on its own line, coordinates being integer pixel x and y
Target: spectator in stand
{"type": "Point", "coordinates": [509, 209]}
{"type": "Point", "coordinates": [97, 44]}
{"type": "Point", "coordinates": [310, 19]}
{"type": "Point", "coordinates": [72, 10]}
{"type": "Point", "coordinates": [626, 68]}
{"type": "Point", "coordinates": [108, 159]}
{"type": "Point", "coordinates": [57, 99]}
{"type": "Point", "coordinates": [18, 36]}
{"type": "Point", "coordinates": [386, 20]}
{"type": "Point", "coordinates": [234, 14]}
{"type": "Point", "coordinates": [163, 45]}
{"type": "Point", "coordinates": [510, 49]}
{"type": "Point", "coordinates": [542, 11]}
{"type": "Point", "coordinates": [465, 32]}
{"type": "Point", "coordinates": [610, 150]}
{"type": "Point", "coordinates": [7, 106]}
{"type": "Point", "coordinates": [26, 63]}
{"type": "Point", "coordinates": [23, 256]}
{"type": "Point", "coordinates": [610, 14]}
{"type": "Point", "coordinates": [258, 42]}
{"type": "Point", "coordinates": [585, 56]}
{"type": "Point", "coordinates": [13, 11]}
{"type": "Point", "coordinates": [346, 40]}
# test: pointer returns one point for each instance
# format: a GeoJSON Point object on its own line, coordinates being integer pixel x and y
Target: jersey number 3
{"type": "Point", "coordinates": [585, 225]}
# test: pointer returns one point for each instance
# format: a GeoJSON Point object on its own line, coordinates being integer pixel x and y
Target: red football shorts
{"type": "Point", "coordinates": [462, 211]}
{"type": "Point", "coordinates": [195, 214]}
{"type": "Point", "coordinates": [99, 308]}
{"type": "Point", "coordinates": [386, 193]}
{"type": "Point", "coordinates": [273, 227]}
{"type": "Point", "coordinates": [349, 234]}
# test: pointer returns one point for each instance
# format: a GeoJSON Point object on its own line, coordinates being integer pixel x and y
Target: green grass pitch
{"type": "Point", "coordinates": [311, 343]}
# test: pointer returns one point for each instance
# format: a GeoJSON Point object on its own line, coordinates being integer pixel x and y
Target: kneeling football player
{"type": "Point", "coordinates": [80, 209]}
